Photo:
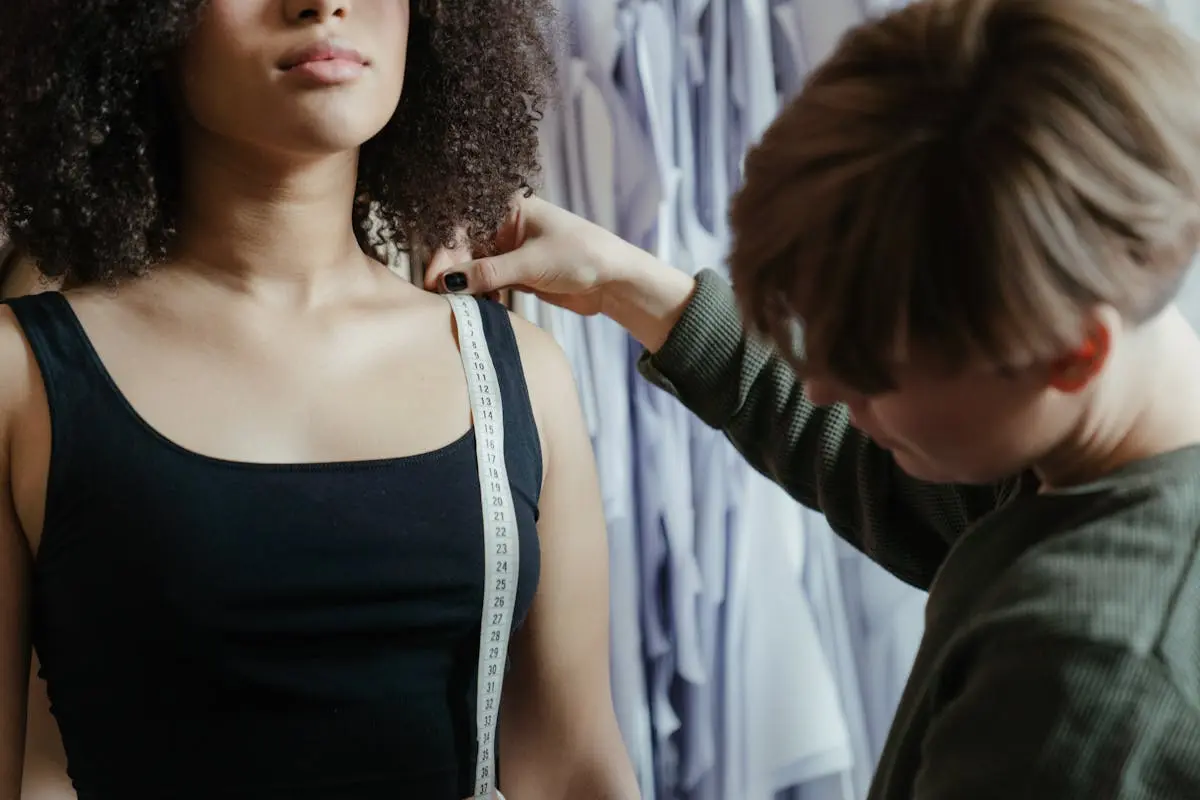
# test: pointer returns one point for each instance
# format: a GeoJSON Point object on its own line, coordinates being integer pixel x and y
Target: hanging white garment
{"type": "Point", "coordinates": [754, 98]}
{"type": "Point", "coordinates": [716, 483]}
{"type": "Point", "coordinates": [712, 120]}
{"type": "Point", "coordinates": [794, 729]}
{"type": "Point", "coordinates": [887, 622]}
{"type": "Point", "coordinates": [699, 247]}
{"type": "Point", "coordinates": [821, 578]}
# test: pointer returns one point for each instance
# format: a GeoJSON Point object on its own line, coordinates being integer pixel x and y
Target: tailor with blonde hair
{"type": "Point", "coordinates": [952, 331]}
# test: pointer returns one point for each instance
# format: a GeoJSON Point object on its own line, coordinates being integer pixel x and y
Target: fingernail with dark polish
{"type": "Point", "coordinates": [454, 281]}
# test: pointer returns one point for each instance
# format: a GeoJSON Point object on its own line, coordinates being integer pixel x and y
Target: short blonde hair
{"type": "Point", "coordinates": [970, 178]}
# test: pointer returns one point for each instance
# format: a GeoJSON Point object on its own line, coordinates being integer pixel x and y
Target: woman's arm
{"type": "Point", "coordinates": [45, 759]}
{"type": "Point", "coordinates": [45, 770]}
{"type": "Point", "coordinates": [15, 565]}
{"type": "Point", "coordinates": [559, 734]}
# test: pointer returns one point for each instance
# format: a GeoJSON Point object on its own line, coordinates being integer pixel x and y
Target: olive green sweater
{"type": "Point", "coordinates": [1061, 657]}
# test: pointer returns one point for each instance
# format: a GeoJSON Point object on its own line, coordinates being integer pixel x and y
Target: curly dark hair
{"type": "Point", "coordinates": [89, 147]}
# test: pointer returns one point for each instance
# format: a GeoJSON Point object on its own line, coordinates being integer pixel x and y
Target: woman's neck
{"type": "Point", "coordinates": [280, 230]}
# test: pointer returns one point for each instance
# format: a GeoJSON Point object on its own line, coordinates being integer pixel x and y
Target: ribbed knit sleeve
{"type": "Point", "coordinates": [741, 385]}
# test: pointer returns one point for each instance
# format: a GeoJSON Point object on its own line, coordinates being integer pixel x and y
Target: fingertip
{"type": "Point", "coordinates": [454, 281]}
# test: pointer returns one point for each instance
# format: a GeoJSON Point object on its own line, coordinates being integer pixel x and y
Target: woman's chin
{"type": "Point", "coordinates": [325, 131]}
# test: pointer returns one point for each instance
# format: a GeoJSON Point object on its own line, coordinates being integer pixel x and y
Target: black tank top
{"type": "Point", "coordinates": [217, 629]}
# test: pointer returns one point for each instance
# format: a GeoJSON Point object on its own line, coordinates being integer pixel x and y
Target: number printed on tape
{"type": "Point", "coordinates": [501, 545]}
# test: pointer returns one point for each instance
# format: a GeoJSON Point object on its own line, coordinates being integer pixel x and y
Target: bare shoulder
{"type": "Point", "coordinates": [538, 348]}
{"type": "Point", "coordinates": [547, 371]}
{"type": "Point", "coordinates": [17, 368]}
{"type": "Point", "coordinates": [19, 383]}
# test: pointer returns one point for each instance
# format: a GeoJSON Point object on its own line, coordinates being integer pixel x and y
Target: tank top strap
{"type": "Point", "coordinates": [522, 445]}
{"type": "Point", "coordinates": [76, 385]}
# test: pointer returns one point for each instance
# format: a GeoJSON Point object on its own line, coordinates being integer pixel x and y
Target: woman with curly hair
{"type": "Point", "coordinates": [240, 516]}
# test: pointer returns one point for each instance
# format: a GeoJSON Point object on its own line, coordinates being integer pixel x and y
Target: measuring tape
{"type": "Point", "coordinates": [501, 543]}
